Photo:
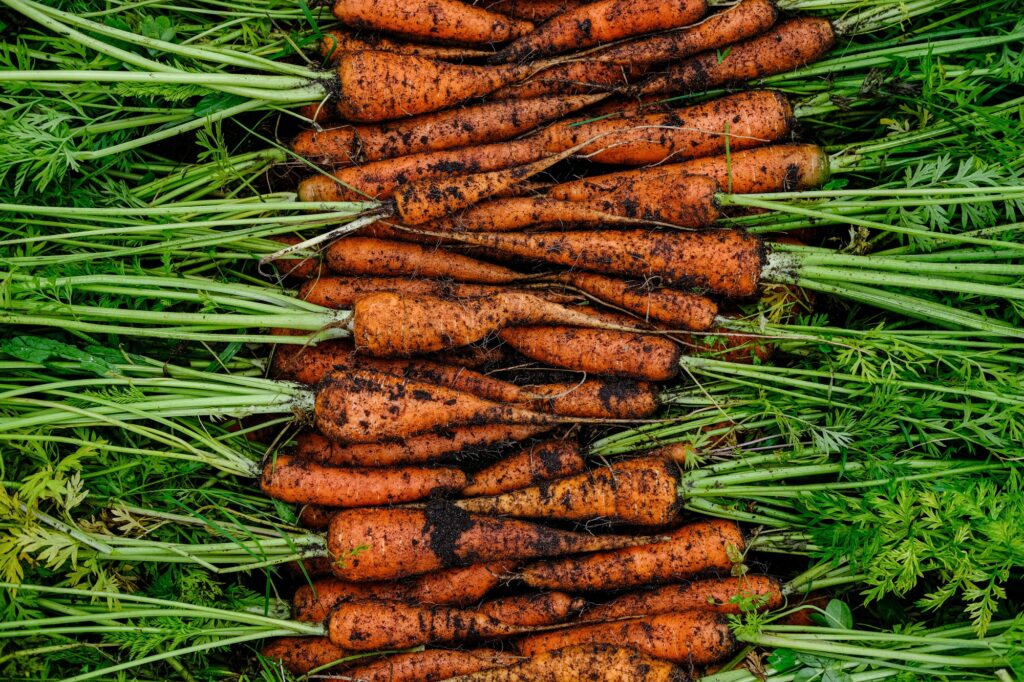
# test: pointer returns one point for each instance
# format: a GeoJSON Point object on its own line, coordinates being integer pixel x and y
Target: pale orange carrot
{"type": "Point", "coordinates": [723, 595]}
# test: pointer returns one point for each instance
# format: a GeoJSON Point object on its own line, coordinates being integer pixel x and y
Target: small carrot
{"type": "Point", "coordinates": [597, 351]}
{"type": "Point", "coordinates": [693, 548]}
{"type": "Point", "coordinates": [380, 257]}
{"type": "Point", "coordinates": [387, 544]}
{"type": "Point", "coordinates": [586, 662]}
{"type": "Point", "coordinates": [300, 655]}
{"type": "Point", "coordinates": [533, 610]}
{"type": "Point", "coordinates": [574, 77]}
{"type": "Point", "coordinates": [311, 567]}
{"type": "Point", "coordinates": [600, 22]}
{"type": "Point", "coordinates": [336, 42]}
{"type": "Point", "coordinates": [298, 268]}
{"type": "Point", "coordinates": [299, 481]}
{"type": "Point", "coordinates": [595, 399]}
{"type": "Point", "coordinates": [788, 46]}
{"type": "Point", "coordinates": [431, 665]}
{"type": "Point", "coordinates": [341, 293]}
{"type": "Point", "coordinates": [694, 637]}
{"type": "Point", "coordinates": [723, 595]}
{"type": "Point", "coordinates": [516, 213]}
{"type": "Point", "coordinates": [437, 20]}
{"type": "Point", "coordinates": [316, 517]}
{"type": "Point", "coordinates": [641, 492]}
{"type": "Point", "coordinates": [535, 463]}
{"type": "Point", "coordinates": [532, 10]}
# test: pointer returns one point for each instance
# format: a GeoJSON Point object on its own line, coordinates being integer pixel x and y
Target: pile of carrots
{"type": "Point", "coordinates": [497, 310]}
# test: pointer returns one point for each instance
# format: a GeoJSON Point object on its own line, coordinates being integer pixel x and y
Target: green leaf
{"type": "Point", "coordinates": [807, 675]}
{"type": "Point", "coordinates": [782, 659]}
{"type": "Point", "coordinates": [838, 615]}
{"type": "Point", "coordinates": [216, 101]}
{"type": "Point", "coordinates": [41, 350]}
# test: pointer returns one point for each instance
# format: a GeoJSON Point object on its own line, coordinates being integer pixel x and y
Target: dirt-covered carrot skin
{"type": "Point", "coordinates": [595, 399]}
{"type": "Point", "coordinates": [438, 20]}
{"type": "Point", "coordinates": [723, 595]}
{"type": "Point", "coordinates": [298, 268]}
{"type": "Point", "coordinates": [431, 665]}
{"type": "Point", "coordinates": [535, 463]}
{"type": "Point", "coordinates": [300, 481]}
{"type": "Point", "coordinates": [601, 22]}
{"type": "Point", "coordinates": [532, 10]}
{"type": "Point", "coordinates": [300, 655]}
{"type": "Point", "coordinates": [585, 662]}
{"type": "Point", "coordinates": [385, 258]}
{"type": "Point", "coordinates": [786, 47]}
{"type": "Point", "coordinates": [533, 610]}
{"type": "Point", "coordinates": [597, 351]}
{"type": "Point", "coordinates": [574, 77]}
{"type": "Point", "coordinates": [509, 214]}
{"type": "Point", "coordinates": [335, 43]}
{"type": "Point", "coordinates": [743, 20]}
{"type": "Point", "coordinates": [311, 567]}
{"type": "Point", "coordinates": [316, 517]}
{"type": "Point", "coordinates": [693, 548]}
{"type": "Point", "coordinates": [380, 179]}
{"type": "Point", "coordinates": [342, 292]}
{"type": "Point", "coordinates": [478, 124]}
{"type": "Point", "coordinates": [640, 492]}
{"type": "Point", "coordinates": [442, 443]}
{"type": "Point", "coordinates": [392, 543]}
{"type": "Point", "coordinates": [741, 121]}
{"type": "Point", "coordinates": [694, 637]}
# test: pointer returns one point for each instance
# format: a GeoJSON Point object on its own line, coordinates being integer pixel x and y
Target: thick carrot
{"type": "Point", "coordinates": [575, 77]}
{"type": "Point", "coordinates": [299, 481]}
{"type": "Point", "coordinates": [381, 257]}
{"type": "Point", "coordinates": [533, 610]}
{"type": "Point", "coordinates": [694, 637]}
{"type": "Point", "coordinates": [386, 544]}
{"type": "Point", "coordinates": [641, 492]}
{"type": "Point", "coordinates": [597, 351]}
{"type": "Point", "coordinates": [380, 179]}
{"type": "Point", "coordinates": [734, 122]}
{"type": "Point", "coordinates": [723, 595]}
{"type": "Point", "coordinates": [438, 20]}
{"type": "Point", "coordinates": [473, 125]}
{"type": "Point", "coordinates": [677, 309]}
{"type": "Point", "coordinates": [587, 662]}
{"type": "Point", "coordinates": [693, 548]}
{"type": "Point", "coordinates": [426, 448]}
{"type": "Point", "coordinates": [336, 42]}
{"type": "Point", "coordinates": [431, 665]}
{"type": "Point", "coordinates": [788, 46]}
{"type": "Point", "coordinates": [300, 655]}
{"type": "Point", "coordinates": [600, 22]}
{"type": "Point", "coordinates": [532, 10]}
{"type": "Point", "coordinates": [723, 262]}
{"type": "Point", "coordinates": [743, 20]}
{"type": "Point", "coordinates": [531, 465]}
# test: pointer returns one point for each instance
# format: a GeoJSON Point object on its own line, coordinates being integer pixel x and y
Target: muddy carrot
{"type": "Point", "coordinates": [300, 655]}
{"type": "Point", "coordinates": [380, 257]}
{"type": "Point", "coordinates": [532, 610]}
{"type": "Point", "coordinates": [438, 20]}
{"type": "Point", "coordinates": [574, 77]}
{"type": "Point", "coordinates": [298, 268]}
{"type": "Point", "coordinates": [431, 665]}
{"type": "Point", "coordinates": [391, 543]}
{"type": "Point", "coordinates": [786, 47]}
{"type": "Point", "coordinates": [600, 22]}
{"type": "Point", "coordinates": [516, 213]}
{"type": "Point", "coordinates": [316, 517]}
{"type": "Point", "coordinates": [342, 292]}
{"type": "Point", "coordinates": [595, 399]}
{"type": "Point", "coordinates": [540, 462]}
{"type": "Point", "coordinates": [311, 567]}
{"type": "Point", "coordinates": [723, 595]}
{"type": "Point", "coordinates": [693, 548]}
{"type": "Point", "coordinates": [641, 492]}
{"type": "Point", "coordinates": [336, 42]}
{"type": "Point", "coordinates": [532, 10]}
{"type": "Point", "coordinates": [586, 662]}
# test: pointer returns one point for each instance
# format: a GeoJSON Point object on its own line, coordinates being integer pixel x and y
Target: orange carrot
{"type": "Point", "coordinates": [430, 665]}
{"type": "Point", "coordinates": [300, 655]}
{"type": "Point", "coordinates": [380, 257]}
{"type": "Point", "coordinates": [693, 548]}
{"type": "Point", "coordinates": [311, 567]}
{"type": "Point", "coordinates": [743, 20]}
{"type": "Point", "coordinates": [386, 544]}
{"type": "Point", "coordinates": [469, 126]}
{"type": "Point", "coordinates": [533, 464]}
{"type": "Point", "coordinates": [336, 43]}
{"type": "Point", "coordinates": [641, 492]}
{"type": "Point", "coordinates": [587, 662]}
{"type": "Point", "coordinates": [426, 448]}
{"type": "Point", "coordinates": [723, 595]}
{"type": "Point", "coordinates": [299, 268]}
{"type": "Point", "coordinates": [574, 77]}
{"type": "Point", "coordinates": [597, 351]}
{"type": "Point", "coordinates": [438, 20]}
{"type": "Point", "coordinates": [595, 399]}
{"type": "Point", "coordinates": [600, 22]}
{"type": "Point", "coordinates": [683, 637]}
{"type": "Point", "coordinates": [533, 610]}
{"type": "Point", "coordinates": [316, 517]}
{"type": "Point", "coordinates": [380, 179]}
{"type": "Point", "coordinates": [299, 481]}
{"type": "Point", "coordinates": [532, 10]}
{"type": "Point", "coordinates": [342, 292]}
{"type": "Point", "coordinates": [788, 46]}
{"type": "Point", "coordinates": [515, 213]}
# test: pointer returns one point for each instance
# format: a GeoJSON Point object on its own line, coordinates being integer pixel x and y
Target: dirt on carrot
{"type": "Point", "coordinates": [586, 662]}
{"type": "Point", "coordinates": [335, 43]}
{"type": "Point", "coordinates": [385, 258]}
{"type": "Point", "coordinates": [300, 655]}
{"type": "Point", "coordinates": [435, 20]}
{"type": "Point", "coordinates": [431, 665]}
{"type": "Point", "coordinates": [722, 595]}
{"type": "Point", "coordinates": [533, 610]}
{"type": "Point", "coordinates": [535, 463]}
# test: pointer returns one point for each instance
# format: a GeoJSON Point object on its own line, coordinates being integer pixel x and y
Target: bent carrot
{"type": "Point", "coordinates": [641, 492]}
{"type": "Point", "coordinates": [533, 10]}
{"type": "Point", "coordinates": [723, 595]}
{"type": "Point", "coordinates": [574, 77]}
{"type": "Point", "coordinates": [788, 46]}
{"type": "Point", "coordinates": [533, 610]}
{"type": "Point", "coordinates": [300, 655]}
{"type": "Point", "coordinates": [685, 637]}
{"type": "Point", "coordinates": [599, 22]}
{"type": "Point", "coordinates": [381, 257]}
{"type": "Point", "coordinates": [299, 481]}
{"type": "Point", "coordinates": [431, 665]}
{"type": "Point", "coordinates": [587, 662]}
{"type": "Point", "coordinates": [335, 42]}
{"type": "Point", "coordinates": [386, 544]}
{"type": "Point", "coordinates": [693, 548]}
{"type": "Point", "coordinates": [540, 462]}
{"type": "Point", "coordinates": [440, 20]}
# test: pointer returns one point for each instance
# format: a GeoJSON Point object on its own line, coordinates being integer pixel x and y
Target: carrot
{"type": "Point", "coordinates": [386, 544]}
{"type": "Point", "coordinates": [533, 10]}
{"type": "Point", "coordinates": [430, 665]}
{"type": "Point", "coordinates": [515, 213]}
{"type": "Point", "coordinates": [678, 309]}
{"type": "Point", "coordinates": [741, 121]}
{"type": "Point", "coordinates": [300, 655]}
{"type": "Point", "coordinates": [683, 637]}
{"type": "Point", "coordinates": [380, 179]}
{"type": "Point", "coordinates": [478, 124]}
{"type": "Point", "coordinates": [295, 267]}
{"type": "Point", "coordinates": [533, 610]}
{"type": "Point", "coordinates": [533, 464]}
{"type": "Point", "coordinates": [380, 257]}
{"type": "Point", "coordinates": [693, 548]}
{"type": "Point", "coordinates": [788, 46]}
{"type": "Point", "coordinates": [310, 567]}
{"type": "Point", "coordinates": [575, 77]}
{"type": "Point", "coordinates": [426, 448]}
{"type": "Point", "coordinates": [454, 586]}
{"type": "Point", "coordinates": [743, 20]}
{"type": "Point", "coordinates": [600, 22]}
{"type": "Point", "coordinates": [335, 43]}
{"type": "Point", "coordinates": [597, 351]}
{"type": "Point", "coordinates": [436, 20]}
{"type": "Point", "coordinates": [723, 262]}
{"type": "Point", "coordinates": [299, 481]}
{"type": "Point", "coordinates": [587, 662]}
{"type": "Point", "coordinates": [641, 492]}
{"type": "Point", "coordinates": [342, 292]}
{"type": "Point", "coordinates": [390, 325]}
{"type": "Point", "coordinates": [316, 517]}
{"type": "Point", "coordinates": [596, 399]}
{"type": "Point", "coordinates": [723, 595]}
